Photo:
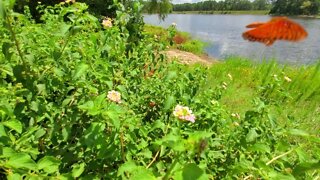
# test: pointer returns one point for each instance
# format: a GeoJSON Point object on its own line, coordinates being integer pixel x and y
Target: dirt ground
{"type": "Point", "coordinates": [189, 58]}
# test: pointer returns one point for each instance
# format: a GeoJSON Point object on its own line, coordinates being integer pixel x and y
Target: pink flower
{"type": "Point", "coordinates": [184, 113]}
{"type": "Point", "coordinates": [107, 23]}
{"type": "Point", "coordinates": [114, 96]}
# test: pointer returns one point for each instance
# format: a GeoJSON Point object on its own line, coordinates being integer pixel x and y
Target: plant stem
{"type": "Point", "coordinates": [171, 168]}
{"type": "Point", "coordinates": [14, 37]}
{"type": "Point", "coordinates": [154, 159]}
{"type": "Point", "coordinates": [122, 147]}
{"type": "Point", "coordinates": [277, 157]}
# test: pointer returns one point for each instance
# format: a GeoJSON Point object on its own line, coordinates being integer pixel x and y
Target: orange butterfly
{"type": "Point", "coordinates": [278, 28]}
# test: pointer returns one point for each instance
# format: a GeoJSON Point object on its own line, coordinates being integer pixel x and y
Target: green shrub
{"type": "Point", "coordinates": [194, 46]}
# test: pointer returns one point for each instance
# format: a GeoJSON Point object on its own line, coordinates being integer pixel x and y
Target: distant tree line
{"type": "Point", "coordinates": [226, 5]}
{"type": "Point", "coordinates": [277, 7]}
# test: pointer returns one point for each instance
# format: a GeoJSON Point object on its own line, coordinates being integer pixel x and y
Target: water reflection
{"type": "Point", "coordinates": [223, 34]}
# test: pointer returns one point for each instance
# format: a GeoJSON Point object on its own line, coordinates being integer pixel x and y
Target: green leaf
{"type": "Point", "coordinates": [34, 105]}
{"type": "Point", "coordinates": [302, 154]}
{"type": "Point", "coordinates": [64, 28]}
{"type": "Point", "coordinates": [259, 147]}
{"type": "Point", "coordinates": [49, 164]}
{"type": "Point", "coordinates": [41, 89]}
{"type": "Point", "coordinates": [86, 106]}
{"type": "Point", "coordinates": [169, 103]}
{"type": "Point", "coordinates": [41, 132]}
{"type": "Point", "coordinates": [6, 68]}
{"type": "Point", "coordinates": [173, 141]}
{"type": "Point", "coordinates": [142, 174]}
{"type": "Point", "coordinates": [94, 135]}
{"type": "Point", "coordinates": [113, 113]}
{"type": "Point", "coordinates": [80, 70]}
{"type": "Point", "coordinates": [14, 176]}
{"type": "Point", "coordinates": [298, 132]}
{"type": "Point", "coordinates": [7, 152]}
{"type": "Point", "coordinates": [129, 166]}
{"type": "Point", "coordinates": [276, 175]}
{"type": "Point", "coordinates": [171, 75]}
{"type": "Point", "coordinates": [109, 84]}
{"type": "Point", "coordinates": [3, 132]}
{"type": "Point", "coordinates": [21, 160]}
{"type": "Point", "coordinates": [122, 90]}
{"type": "Point", "coordinates": [14, 124]}
{"type": "Point", "coordinates": [77, 170]}
{"type": "Point", "coordinates": [158, 124]}
{"type": "Point", "coordinates": [192, 171]}
{"type": "Point", "coordinates": [75, 29]}
{"type": "Point", "coordinates": [252, 135]}
{"type": "Point", "coordinates": [307, 166]}
{"type": "Point", "coordinates": [114, 117]}
{"type": "Point", "coordinates": [65, 133]}
{"type": "Point", "coordinates": [198, 135]}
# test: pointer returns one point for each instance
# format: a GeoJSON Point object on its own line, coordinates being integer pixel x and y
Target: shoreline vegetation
{"type": "Point", "coordinates": [233, 12]}
{"type": "Point", "coordinates": [184, 48]}
{"type": "Point", "coordinates": [256, 12]}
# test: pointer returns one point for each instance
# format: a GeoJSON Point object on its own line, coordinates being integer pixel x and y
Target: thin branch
{"type": "Point", "coordinates": [122, 147]}
{"type": "Point", "coordinates": [154, 159]}
{"type": "Point", "coordinates": [247, 177]}
{"type": "Point", "coordinates": [14, 37]}
{"type": "Point", "coordinates": [280, 156]}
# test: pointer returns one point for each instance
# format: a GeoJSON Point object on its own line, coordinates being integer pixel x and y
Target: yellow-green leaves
{"type": "Point", "coordinates": [21, 160]}
{"type": "Point", "coordinates": [13, 124]}
{"type": "Point", "coordinates": [49, 164]}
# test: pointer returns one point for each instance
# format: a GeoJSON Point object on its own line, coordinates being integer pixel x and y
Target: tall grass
{"type": "Point", "coordinates": [290, 91]}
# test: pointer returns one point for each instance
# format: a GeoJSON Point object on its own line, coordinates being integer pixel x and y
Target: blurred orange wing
{"type": "Point", "coordinates": [255, 24]}
{"type": "Point", "coordinates": [279, 28]}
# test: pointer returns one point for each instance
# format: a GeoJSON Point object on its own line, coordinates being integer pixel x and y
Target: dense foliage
{"type": "Point", "coordinates": [99, 8]}
{"type": "Point", "coordinates": [225, 5]}
{"type": "Point", "coordinates": [295, 7]}
{"type": "Point", "coordinates": [276, 7]}
{"type": "Point", "coordinates": [77, 103]}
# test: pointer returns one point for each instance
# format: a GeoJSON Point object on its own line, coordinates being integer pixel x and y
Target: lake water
{"type": "Point", "coordinates": [223, 33]}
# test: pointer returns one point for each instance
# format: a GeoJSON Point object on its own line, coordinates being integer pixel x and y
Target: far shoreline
{"type": "Point", "coordinates": [254, 12]}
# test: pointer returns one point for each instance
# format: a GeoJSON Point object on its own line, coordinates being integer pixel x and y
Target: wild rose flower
{"type": "Point", "coordinates": [184, 113]}
{"type": "Point", "coordinates": [114, 96]}
{"type": "Point", "coordinates": [107, 23]}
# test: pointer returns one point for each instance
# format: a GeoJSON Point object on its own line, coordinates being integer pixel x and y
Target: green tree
{"type": "Point", "coordinates": [295, 7]}
{"type": "Point", "coordinates": [261, 4]}
{"type": "Point", "coordinates": [161, 7]}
